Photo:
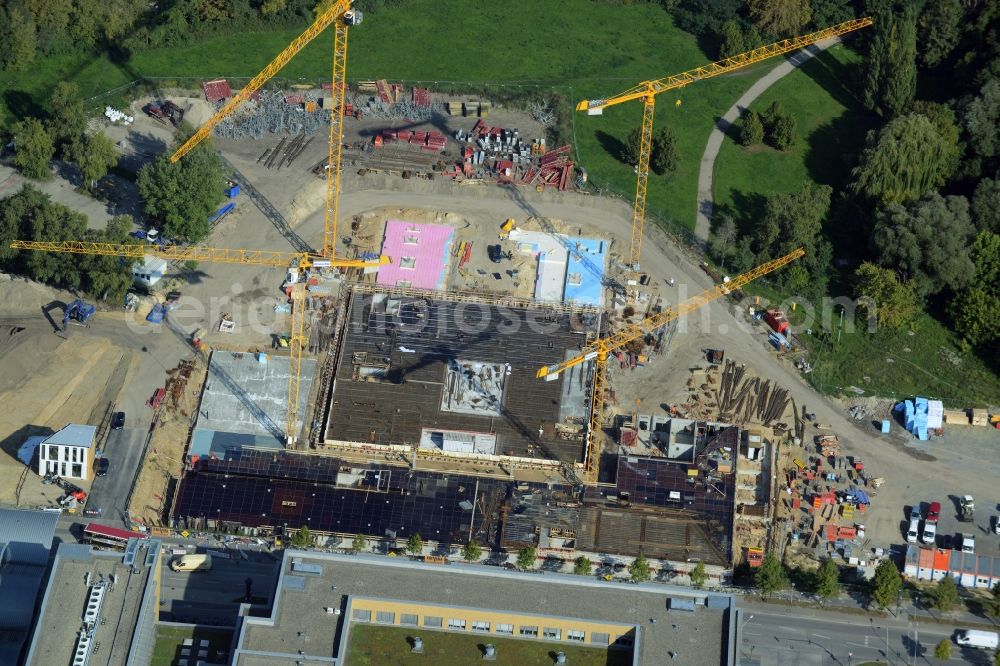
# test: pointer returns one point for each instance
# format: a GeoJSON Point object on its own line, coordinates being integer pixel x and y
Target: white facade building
{"type": "Point", "coordinates": [68, 453]}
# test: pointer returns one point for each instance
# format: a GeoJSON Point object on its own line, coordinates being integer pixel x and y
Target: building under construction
{"type": "Point", "coordinates": [456, 377]}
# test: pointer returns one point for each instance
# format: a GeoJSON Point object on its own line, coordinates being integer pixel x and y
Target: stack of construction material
{"type": "Point", "coordinates": [432, 141]}
{"type": "Point", "coordinates": [421, 97]}
{"type": "Point", "coordinates": [216, 91]}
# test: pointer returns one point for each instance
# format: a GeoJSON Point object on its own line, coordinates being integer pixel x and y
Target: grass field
{"type": "Point", "coordinates": [375, 646]}
{"type": "Point", "coordinates": [518, 42]}
{"type": "Point", "coordinates": [831, 127]}
{"type": "Point", "coordinates": [169, 640]}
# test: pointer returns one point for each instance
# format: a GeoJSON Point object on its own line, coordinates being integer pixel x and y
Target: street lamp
{"type": "Point", "coordinates": [850, 658]}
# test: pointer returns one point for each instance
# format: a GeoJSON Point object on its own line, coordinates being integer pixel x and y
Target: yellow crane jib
{"type": "Point", "coordinates": [339, 9]}
{"type": "Point", "coordinates": [196, 253]}
{"type": "Point", "coordinates": [596, 106]}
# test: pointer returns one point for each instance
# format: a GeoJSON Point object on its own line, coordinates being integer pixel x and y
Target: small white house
{"type": "Point", "coordinates": [68, 453]}
{"type": "Point", "coordinates": [150, 271]}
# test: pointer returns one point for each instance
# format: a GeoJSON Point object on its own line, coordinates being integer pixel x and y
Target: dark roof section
{"type": "Point", "coordinates": [394, 410]}
{"type": "Point", "coordinates": [385, 501]}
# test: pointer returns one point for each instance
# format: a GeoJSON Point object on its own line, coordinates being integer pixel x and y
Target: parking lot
{"type": "Point", "coordinates": [110, 493]}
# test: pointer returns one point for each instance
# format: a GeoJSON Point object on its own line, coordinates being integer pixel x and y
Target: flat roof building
{"type": "Point", "coordinates": [321, 598]}
{"type": "Point", "coordinates": [25, 543]}
{"type": "Point", "coordinates": [68, 453]}
{"type": "Point", "coordinates": [100, 607]}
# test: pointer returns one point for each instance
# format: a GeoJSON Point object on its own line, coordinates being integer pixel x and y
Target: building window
{"type": "Point", "coordinates": [410, 239]}
{"type": "Point", "coordinates": [405, 284]}
{"type": "Point", "coordinates": [362, 615]}
{"type": "Point", "coordinates": [78, 471]}
{"type": "Point", "coordinates": [408, 619]}
{"type": "Point", "coordinates": [624, 641]}
{"type": "Point", "coordinates": [385, 617]}
{"type": "Point", "coordinates": [63, 468]}
{"type": "Point", "coordinates": [480, 626]}
{"type": "Point", "coordinates": [454, 623]}
{"type": "Point", "coordinates": [505, 629]}
{"type": "Point", "coordinates": [574, 635]}
{"type": "Point", "coordinates": [431, 621]}
{"type": "Point", "coordinates": [408, 262]}
{"type": "Point", "coordinates": [529, 631]}
{"type": "Point", "coordinates": [551, 634]}
{"type": "Point", "coordinates": [599, 639]}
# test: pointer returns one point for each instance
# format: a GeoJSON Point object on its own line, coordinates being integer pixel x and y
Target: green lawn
{"type": "Point", "coordinates": [929, 363]}
{"type": "Point", "coordinates": [831, 126]}
{"type": "Point", "coordinates": [170, 639]}
{"type": "Point", "coordinates": [380, 646]}
{"type": "Point", "coordinates": [581, 48]}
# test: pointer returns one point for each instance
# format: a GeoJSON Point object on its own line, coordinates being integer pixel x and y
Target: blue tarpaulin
{"type": "Point", "coordinates": [155, 315]}
{"type": "Point", "coordinates": [222, 212]}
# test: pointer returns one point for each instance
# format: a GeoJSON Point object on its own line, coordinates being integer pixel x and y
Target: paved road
{"type": "Point", "coordinates": [776, 636]}
{"type": "Point", "coordinates": [214, 596]}
{"type": "Point", "coordinates": [706, 171]}
{"type": "Point", "coordinates": [109, 493]}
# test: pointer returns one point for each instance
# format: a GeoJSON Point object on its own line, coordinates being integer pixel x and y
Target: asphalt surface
{"type": "Point", "coordinates": [214, 596]}
{"type": "Point", "coordinates": [780, 636]}
{"type": "Point", "coordinates": [110, 493]}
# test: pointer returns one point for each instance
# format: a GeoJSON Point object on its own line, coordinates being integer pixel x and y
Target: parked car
{"type": "Point", "coordinates": [915, 512]}
{"type": "Point", "coordinates": [103, 465]}
{"type": "Point", "coordinates": [996, 524]}
{"type": "Point", "coordinates": [946, 541]}
{"type": "Point", "coordinates": [914, 531]}
{"type": "Point", "coordinates": [495, 253]}
{"type": "Point", "coordinates": [930, 532]}
{"type": "Point", "coordinates": [118, 421]}
{"type": "Point", "coordinates": [934, 512]}
{"type": "Point", "coordinates": [968, 543]}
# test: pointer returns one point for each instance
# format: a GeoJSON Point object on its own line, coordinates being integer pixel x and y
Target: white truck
{"type": "Point", "coordinates": [195, 562]}
{"type": "Point", "coordinates": [987, 640]}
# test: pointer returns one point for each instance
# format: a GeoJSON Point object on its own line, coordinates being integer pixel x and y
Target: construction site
{"type": "Point", "coordinates": [425, 335]}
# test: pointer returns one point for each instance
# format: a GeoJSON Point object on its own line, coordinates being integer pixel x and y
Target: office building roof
{"type": "Point", "coordinates": [74, 435]}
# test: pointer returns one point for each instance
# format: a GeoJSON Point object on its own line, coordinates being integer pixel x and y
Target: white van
{"type": "Point", "coordinates": [930, 533]}
{"type": "Point", "coordinates": [913, 533]}
{"type": "Point", "coordinates": [976, 638]}
{"type": "Point", "coordinates": [197, 562]}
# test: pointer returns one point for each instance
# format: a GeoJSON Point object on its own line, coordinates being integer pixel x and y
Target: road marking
{"type": "Point", "coordinates": [821, 636]}
{"type": "Point", "coordinates": [747, 633]}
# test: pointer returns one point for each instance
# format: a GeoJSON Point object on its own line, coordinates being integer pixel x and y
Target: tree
{"type": "Point", "coordinates": [751, 129]}
{"type": "Point", "coordinates": [986, 205]}
{"type": "Point", "coordinates": [901, 162]}
{"type": "Point", "coordinates": [927, 242]}
{"type": "Point", "coordinates": [31, 215]}
{"type": "Point", "coordinates": [630, 149]}
{"type": "Point", "coordinates": [981, 118]}
{"type": "Point", "coordinates": [639, 569]}
{"type": "Point", "coordinates": [414, 544]}
{"type": "Point", "coordinates": [946, 124]}
{"type": "Point", "coordinates": [34, 148]}
{"type": "Point", "coordinates": [731, 40]}
{"type": "Point", "coordinates": [66, 121]}
{"type": "Point", "coordinates": [828, 580]}
{"type": "Point", "coordinates": [302, 538]}
{"type": "Point", "coordinates": [108, 278]}
{"type": "Point", "coordinates": [526, 558]}
{"type": "Point", "coordinates": [269, 7]}
{"type": "Point", "coordinates": [973, 310]}
{"type": "Point", "coordinates": [771, 115]}
{"type": "Point", "coordinates": [94, 155]}
{"type": "Point", "coordinates": [582, 566]}
{"type": "Point", "coordinates": [185, 194]}
{"type": "Point", "coordinates": [665, 158]}
{"type": "Point", "coordinates": [943, 650]}
{"type": "Point", "coordinates": [18, 37]}
{"type": "Point", "coordinates": [781, 18]}
{"type": "Point", "coordinates": [471, 551]}
{"type": "Point", "coordinates": [791, 221]}
{"type": "Point", "coordinates": [993, 603]}
{"type": "Point", "coordinates": [831, 12]}
{"type": "Point", "coordinates": [939, 29]}
{"type": "Point", "coordinates": [698, 575]}
{"type": "Point", "coordinates": [770, 576]}
{"type": "Point", "coordinates": [782, 134]}
{"type": "Point", "coordinates": [885, 583]}
{"type": "Point", "coordinates": [945, 594]}
{"type": "Point", "coordinates": [893, 303]}
{"type": "Point", "coordinates": [724, 238]}
{"type": "Point", "coordinates": [359, 543]}
{"type": "Point", "coordinates": [891, 71]}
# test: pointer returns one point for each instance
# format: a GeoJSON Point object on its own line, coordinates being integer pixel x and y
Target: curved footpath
{"type": "Point", "coordinates": [706, 171]}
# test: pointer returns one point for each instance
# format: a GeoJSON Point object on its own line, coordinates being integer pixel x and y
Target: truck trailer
{"type": "Point", "coordinates": [195, 562]}
{"type": "Point", "coordinates": [987, 640]}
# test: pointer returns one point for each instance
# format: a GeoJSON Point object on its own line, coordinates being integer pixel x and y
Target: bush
{"type": "Point", "coordinates": [751, 129]}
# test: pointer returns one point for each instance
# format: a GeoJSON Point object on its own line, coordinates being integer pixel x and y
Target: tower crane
{"type": "Point", "coordinates": [599, 350]}
{"type": "Point", "coordinates": [647, 92]}
{"type": "Point", "coordinates": [299, 260]}
{"type": "Point", "coordinates": [341, 16]}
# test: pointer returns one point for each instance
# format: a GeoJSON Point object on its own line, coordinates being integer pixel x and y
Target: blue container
{"type": "Point", "coordinates": [222, 212]}
{"type": "Point", "coordinates": [155, 315]}
{"type": "Point", "coordinates": [233, 191]}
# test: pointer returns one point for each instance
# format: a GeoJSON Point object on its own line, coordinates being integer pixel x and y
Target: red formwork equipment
{"type": "Point", "coordinates": [216, 90]}
{"type": "Point", "coordinates": [421, 97]}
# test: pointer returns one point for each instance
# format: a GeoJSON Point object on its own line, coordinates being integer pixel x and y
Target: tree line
{"type": "Point", "coordinates": [918, 208]}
